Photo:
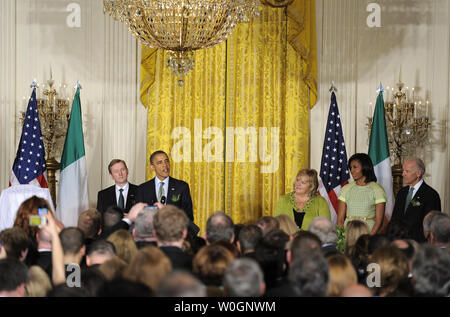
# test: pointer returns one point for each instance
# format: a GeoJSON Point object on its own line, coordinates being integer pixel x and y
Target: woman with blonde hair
{"type": "Point", "coordinates": [304, 203]}
{"type": "Point", "coordinates": [353, 230]}
{"type": "Point", "coordinates": [287, 224]}
{"type": "Point", "coordinates": [342, 274]}
{"type": "Point", "coordinates": [124, 244]}
{"type": "Point", "coordinates": [38, 284]}
{"type": "Point", "coordinates": [148, 266]}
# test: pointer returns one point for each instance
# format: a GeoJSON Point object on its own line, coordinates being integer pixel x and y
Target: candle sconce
{"type": "Point", "coordinates": [54, 117]}
{"type": "Point", "coordinates": [407, 125]}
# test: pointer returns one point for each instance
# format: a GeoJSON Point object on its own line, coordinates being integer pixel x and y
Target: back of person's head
{"type": "Point", "coordinates": [15, 242]}
{"type": "Point", "coordinates": [90, 222]}
{"type": "Point", "coordinates": [376, 242]}
{"type": "Point", "coordinates": [44, 238]}
{"type": "Point", "coordinates": [440, 229]}
{"type": "Point", "coordinates": [353, 230]}
{"type": "Point", "coordinates": [13, 277]}
{"type": "Point", "coordinates": [271, 256]}
{"type": "Point", "coordinates": [324, 229]}
{"type": "Point", "coordinates": [431, 272]}
{"type": "Point", "coordinates": [249, 237]}
{"type": "Point", "coordinates": [287, 224]}
{"type": "Point", "coordinates": [427, 222]}
{"type": "Point", "coordinates": [180, 284]}
{"type": "Point", "coordinates": [111, 217]}
{"type": "Point", "coordinates": [397, 229]}
{"type": "Point", "coordinates": [92, 280]}
{"type": "Point", "coordinates": [219, 226]}
{"type": "Point", "coordinates": [244, 278]}
{"type": "Point", "coordinates": [99, 252]}
{"type": "Point", "coordinates": [342, 274]}
{"type": "Point", "coordinates": [112, 268]}
{"type": "Point", "coordinates": [406, 246]}
{"type": "Point", "coordinates": [124, 244]}
{"type": "Point", "coordinates": [38, 284]}
{"type": "Point", "coordinates": [121, 287]}
{"type": "Point", "coordinates": [308, 275]}
{"type": "Point", "coordinates": [267, 224]}
{"type": "Point", "coordinates": [72, 240]}
{"type": "Point", "coordinates": [304, 242]}
{"type": "Point", "coordinates": [394, 268]}
{"type": "Point", "coordinates": [210, 262]}
{"type": "Point", "coordinates": [170, 224]}
{"type": "Point", "coordinates": [30, 208]}
{"type": "Point", "coordinates": [143, 225]}
{"type": "Point", "coordinates": [148, 266]}
{"type": "Point", "coordinates": [229, 246]}
{"type": "Point", "coordinates": [359, 254]}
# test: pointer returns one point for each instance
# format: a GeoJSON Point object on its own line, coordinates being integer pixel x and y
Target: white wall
{"type": "Point", "coordinates": [100, 53]}
{"type": "Point", "coordinates": [414, 35]}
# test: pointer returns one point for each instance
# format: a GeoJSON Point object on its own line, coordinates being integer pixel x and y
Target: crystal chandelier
{"type": "Point", "coordinates": [181, 26]}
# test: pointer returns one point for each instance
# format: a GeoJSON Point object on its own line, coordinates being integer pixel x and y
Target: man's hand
{"type": "Point", "coordinates": [135, 210]}
{"type": "Point", "coordinates": [159, 205]}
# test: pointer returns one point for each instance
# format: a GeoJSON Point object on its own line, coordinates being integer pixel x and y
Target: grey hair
{"type": "Point", "coordinates": [430, 271]}
{"type": "Point", "coordinates": [428, 219]}
{"type": "Point", "coordinates": [440, 228]}
{"type": "Point", "coordinates": [144, 224]}
{"type": "Point", "coordinates": [324, 229]}
{"type": "Point", "coordinates": [219, 227]}
{"type": "Point", "coordinates": [419, 164]}
{"type": "Point", "coordinates": [243, 278]}
{"type": "Point", "coordinates": [181, 284]}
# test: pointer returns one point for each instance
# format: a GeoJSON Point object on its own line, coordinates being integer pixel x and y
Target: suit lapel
{"type": "Point", "coordinates": [418, 197]}
{"type": "Point", "coordinates": [112, 201]}
{"type": "Point", "coordinates": [171, 190]}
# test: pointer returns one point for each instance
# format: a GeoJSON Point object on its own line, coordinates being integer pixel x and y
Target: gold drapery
{"type": "Point", "coordinates": [237, 131]}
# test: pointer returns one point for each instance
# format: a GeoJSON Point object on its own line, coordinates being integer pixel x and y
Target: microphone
{"type": "Point", "coordinates": [163, 200]}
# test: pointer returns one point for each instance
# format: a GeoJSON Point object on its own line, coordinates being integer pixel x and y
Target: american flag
{"type": "Point", "coordinates": [333, 168]}
{"type": "Point", "coordinates": [29, 165]}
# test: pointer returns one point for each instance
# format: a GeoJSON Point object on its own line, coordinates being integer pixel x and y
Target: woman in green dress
{"type": "Point", "coordinates": [304, 203]}
{"type": "Point", "coordinates": [363, 199]}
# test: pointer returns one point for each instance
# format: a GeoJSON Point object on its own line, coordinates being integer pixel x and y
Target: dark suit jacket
{"type": "Point", "coordinates": [178, 195]}
{"type": "Point", "coordinates": [180, 260]}
{"type": "Point", "coordinates": [107, 198]}
{"type": "Point", "coordinates": [426, 198]}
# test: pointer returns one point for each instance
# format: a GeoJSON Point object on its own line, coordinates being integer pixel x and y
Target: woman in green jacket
{"type": "Point", "coordinates": [304, 203]}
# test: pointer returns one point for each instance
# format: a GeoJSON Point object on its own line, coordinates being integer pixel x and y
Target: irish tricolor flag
{"type": "Point", "coordinates": [379, 153]}
{"type": "Point", "coordinates": [73, 190]}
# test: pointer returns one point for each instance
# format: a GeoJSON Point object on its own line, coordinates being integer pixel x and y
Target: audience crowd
{"type": "Point", "coordinates": [159, 255]}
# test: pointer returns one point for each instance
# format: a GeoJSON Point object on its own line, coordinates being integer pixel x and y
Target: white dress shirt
{"type": "Point", "coordinates": [124, 193]}
{"type": "Point", "coordinates": [416, 187]}
{"type": "Point", "coordinates": [165, 187]}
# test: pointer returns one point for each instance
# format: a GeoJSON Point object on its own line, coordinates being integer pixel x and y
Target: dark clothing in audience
{"type": "Point", "coordinates": [45, 260]}
{"type": "Point", "coordinates": [143, 244]}
{"type": "Point", "coordinates": [329, 249]}
{"type": "Point", "coordinates": [180, 259]}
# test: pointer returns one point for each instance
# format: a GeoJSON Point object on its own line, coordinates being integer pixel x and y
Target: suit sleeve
{"type": "Point", "coordinates": [139, 195]}
{"type": "Point", "coordinates": [99, 203]}
{"type": "Point", "coordinates": [186, 203]}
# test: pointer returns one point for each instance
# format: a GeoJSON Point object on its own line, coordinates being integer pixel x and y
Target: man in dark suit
{"type": "Point", "coordinates": [171, 227]}
{"type": "Point", "coordinates": [122, 193]}
{"type": "Point", "coordinates": [416, 200]}
{"type": "Point", "coordinates": [162, 189]}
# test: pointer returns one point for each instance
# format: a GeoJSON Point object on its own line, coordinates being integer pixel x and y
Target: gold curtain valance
{"type": "Point", "coordinates": [301, 36]}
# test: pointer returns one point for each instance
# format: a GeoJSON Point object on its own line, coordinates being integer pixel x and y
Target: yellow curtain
{"type": "Point", "coordinates": [237, 131]}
